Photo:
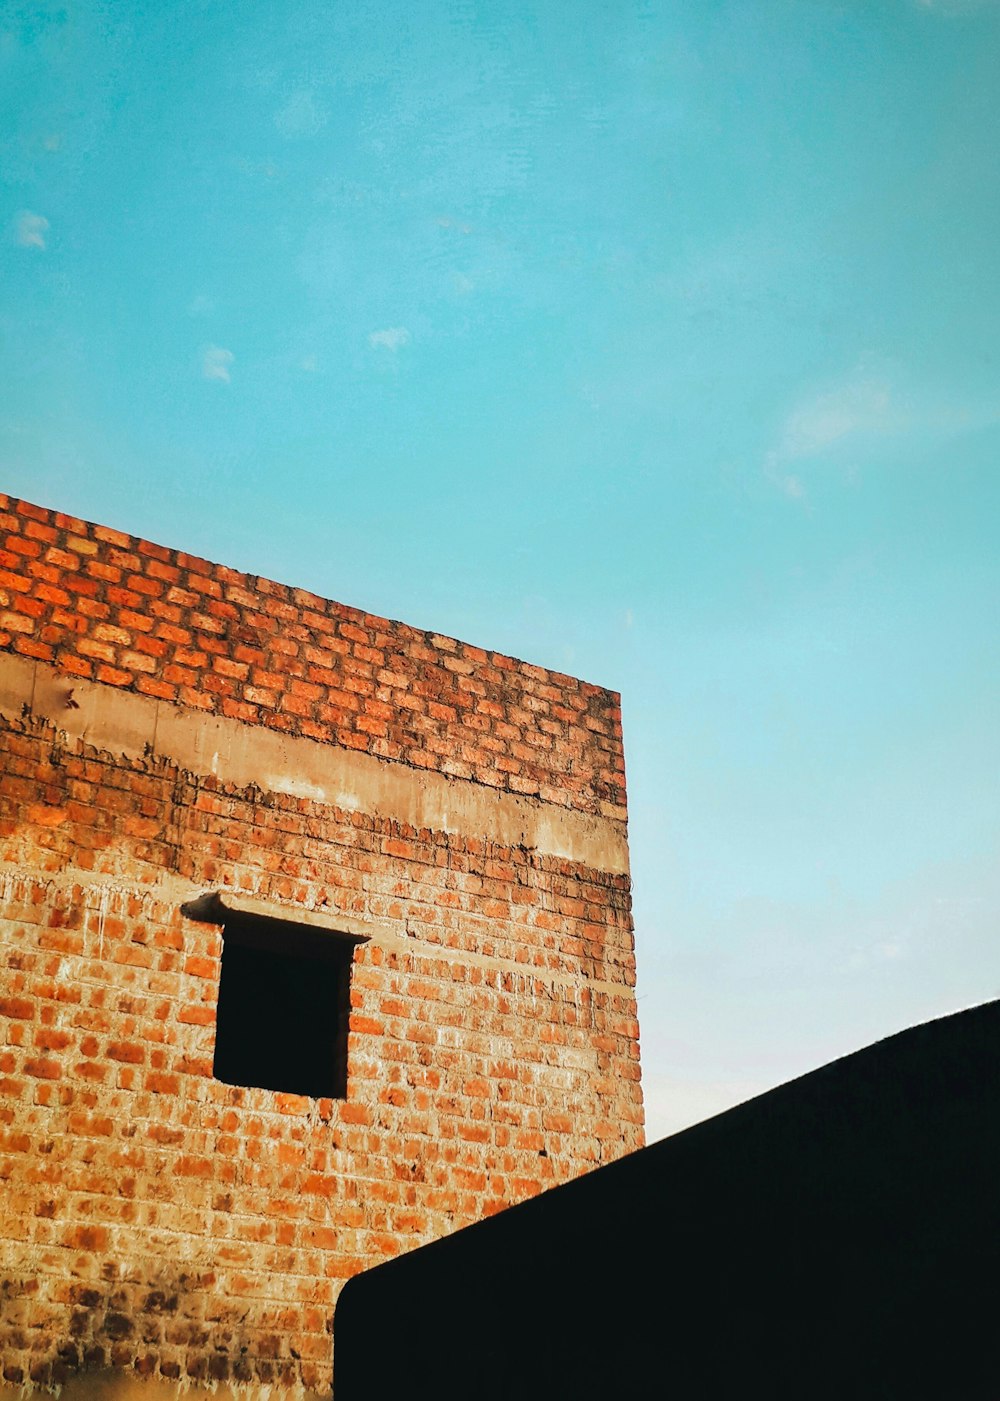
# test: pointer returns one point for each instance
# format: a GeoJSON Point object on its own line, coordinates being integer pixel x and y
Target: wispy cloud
{"type": "Point", "coordinates": [215, 363]}
{"type": "Point", "coordinates": [956, 7]}
{"type": "Point", "coordinates": [301, 116]}
{"type": "Point", "coordinates": [445, 221]}
{"type": "Point", "coordinates": [392, 338]}
{"type": "Point", "coordinates": [30, 229]}
{"type": "Point", "coordinates": [860, 405]}
{"type": "Point", "coordinates": [201, 305]}
{"type": "Point", "coordinates": [866, 407]}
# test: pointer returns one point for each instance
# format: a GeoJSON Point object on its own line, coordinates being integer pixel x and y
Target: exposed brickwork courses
{"type": "Point", "coordinates": [130, 614]}
{"type": "Point", "coordinates": [159, 1221]}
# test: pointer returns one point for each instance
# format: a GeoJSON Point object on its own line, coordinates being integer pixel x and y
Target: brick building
{"type": "Point", "coordinates": [315, 945]}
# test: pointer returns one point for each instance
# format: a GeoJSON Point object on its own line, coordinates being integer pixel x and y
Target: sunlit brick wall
{"type": "Point", "coordinates": [154, 1221]}
{"type": "Point", "coordinates": [128, 613]}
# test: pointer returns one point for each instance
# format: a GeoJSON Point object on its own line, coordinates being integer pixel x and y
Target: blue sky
{"type": "Point", "coordinates": [657, 342]}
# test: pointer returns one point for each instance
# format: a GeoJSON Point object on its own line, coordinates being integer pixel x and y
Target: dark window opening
{"type": "Point", "coordinates": [284, 1006]}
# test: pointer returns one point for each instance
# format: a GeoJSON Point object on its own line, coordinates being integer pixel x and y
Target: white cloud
{"type": "Point", "coordinates": [215, 362]}
{"type": "Point", "coordinates": [860, 405]}
{"type": "Point", "coordinates": [201, 305]}
{"type": "Point", "coordinates": [463, 285]}
{"type": "Point", "coordinates": [309, 363]}
{"type": "Point", "coordinates": [955, 7]}
{"type": "Point", "coordinates": [30, 229]}
{"type": "Point", "coordinates": [446, 222]}
{"type": "Point", "coordinates": [861, 409]}
{"type": "Point", "coordinates": [864, 408]}
{"type": "Point", "coordinates": [392, 338]}
{"type": "Point", "coordinates": [301, 116]}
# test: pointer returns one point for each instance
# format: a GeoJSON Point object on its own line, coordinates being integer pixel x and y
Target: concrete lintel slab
{"type": "Point", "coordinates": [245, 756]}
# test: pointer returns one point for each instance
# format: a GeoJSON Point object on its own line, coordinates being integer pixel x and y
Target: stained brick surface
{"type": "Point", "coordinates": [153, 1219]}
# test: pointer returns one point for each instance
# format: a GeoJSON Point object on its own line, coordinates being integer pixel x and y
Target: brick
{"type": "Point", "coordinates": [20, 1007]}
{"type": "Point", "coordinates": [19, 546]}
{"type": "Point", "coordinates": [80, 545]}
{"type": "Point", "coordinates": [89, 1238]}
{"type": "Point", "coordinates": [47, 593]}
{"type": "Point", "coordinates": [150, 686]}
{"type": "Point", "coordinates": [32, 607]}
{"type": "Point", "coordinates": [114, 676]}
{"type": "Point", "coordinates": [29, 511]}
{"type": "Point", "coordinates": [14, 622]}
{"type": "Point", "coordinates": [140, 583]}
{"type": "Point", "coordinates": [20, 583]}
{"type": "Point", "coordinates": [161, 1084]}
{"type": "Point", "coordinates": [112, 537]}
{"type": "Point", "coordinates": [171, 633]}
{"type": "Point", "coordinates": [28, 647]}
{"type": "Point", "coordinates": [42, 1068]}
{"type": "Point", "coordinates": [135, 622]}
{"type": "Point", "coordinates": [196, 1015]}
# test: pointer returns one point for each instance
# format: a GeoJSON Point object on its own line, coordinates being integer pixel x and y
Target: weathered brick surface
{"type": "Point", "coordinates": [154, 1220]}
{"type": "Point", "coordinates": [130, 614]}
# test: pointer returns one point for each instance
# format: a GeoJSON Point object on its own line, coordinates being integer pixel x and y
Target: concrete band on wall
{"type": "Point", "coordinates": [123, 722]}
{"type": "Point", "coordinates": [136, 727]}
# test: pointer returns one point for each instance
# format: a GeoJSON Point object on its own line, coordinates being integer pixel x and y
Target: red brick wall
{"type": "Point", "coordinates": [127, 613]}
{"type": "Point", "coordinates": [154, 1220]}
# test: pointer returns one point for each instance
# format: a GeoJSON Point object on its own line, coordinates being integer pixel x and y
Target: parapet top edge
{"type": "Point", "coordinates": [301, 597]}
